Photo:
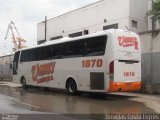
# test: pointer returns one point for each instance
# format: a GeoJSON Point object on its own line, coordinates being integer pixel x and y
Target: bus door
{"type": "Point", "coordinates": [15, 63]}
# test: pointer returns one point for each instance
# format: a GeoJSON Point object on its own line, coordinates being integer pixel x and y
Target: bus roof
{"type": "Point", "coordinates": [67, 39]}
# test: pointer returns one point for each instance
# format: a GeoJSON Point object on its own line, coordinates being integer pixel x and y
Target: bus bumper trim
{"type": "Point", "coordinates": [124, 86]}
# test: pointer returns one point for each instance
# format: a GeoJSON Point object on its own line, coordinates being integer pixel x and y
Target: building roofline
{"type": "Point", "coordinates": [6, 55]}
{"type": "Point", "coordinates": [149, 31]}
{"type": "Point", "coordinates": [74, 10]}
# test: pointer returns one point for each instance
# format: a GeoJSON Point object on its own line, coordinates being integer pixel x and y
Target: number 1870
{"type": "Point", "coordinates": [92, 63]}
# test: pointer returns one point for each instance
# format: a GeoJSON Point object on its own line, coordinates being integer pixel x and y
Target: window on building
{"type": "Point", "coordinates": [134, 23]}
{"type": "Point", "coordinates": [40, 42]}
{"type": "Point", "coordinates": [57, 37]}
{"type": "Point", "coordinates": [86, 32]}
{"type": "Point", "coordinates": [77, 34]}
{"type": "Point", "coordinates": [113, 26]}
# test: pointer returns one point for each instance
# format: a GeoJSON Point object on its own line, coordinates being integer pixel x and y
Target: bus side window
{"type": "Point", "coordinates": [95, 46]}
{"type": "Point", "coordinates": [74, 49]}
{"type": "Point", "coordinates": [59, 51]}
{"type": "Point", "coordinates": [45, 53]}
{"type": "Point", "coordinates": [24, 56]}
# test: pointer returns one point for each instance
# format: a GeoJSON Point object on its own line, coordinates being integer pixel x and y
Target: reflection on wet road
{"type": "Point", "coordinates": [58, 102]}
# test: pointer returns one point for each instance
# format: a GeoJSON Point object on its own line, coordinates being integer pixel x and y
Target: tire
{"type": "Point", "coordinates": [23, 82]}
{"type": "Point", "coordinates": [72, 87]}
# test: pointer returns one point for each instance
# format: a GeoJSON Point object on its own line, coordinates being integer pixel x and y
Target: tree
{"type": "Point", "coordinates": [155, 10]}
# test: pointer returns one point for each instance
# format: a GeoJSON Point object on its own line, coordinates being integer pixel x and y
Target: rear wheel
{"type": "Point", "coordinates": [72, 87]}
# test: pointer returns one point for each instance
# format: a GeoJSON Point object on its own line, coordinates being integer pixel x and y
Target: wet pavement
{"type": "Point", "coordinates": [38, 101]}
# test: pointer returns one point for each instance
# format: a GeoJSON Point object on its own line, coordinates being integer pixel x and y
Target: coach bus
{"type": "Point", "coordinates": [107, 61]}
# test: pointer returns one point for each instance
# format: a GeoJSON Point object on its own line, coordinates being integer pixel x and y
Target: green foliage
{"type": "Point", "coordinates": [156, 10]}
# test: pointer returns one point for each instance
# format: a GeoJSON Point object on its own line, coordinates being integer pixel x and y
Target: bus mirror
{"type": "Point", "coordinates": [11, 66]}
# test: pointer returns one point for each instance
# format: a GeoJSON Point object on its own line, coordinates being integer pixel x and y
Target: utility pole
{"type": "Point", "coordinates": [151, 60]}
{"type": "Point", "coordinates": [45, 28]}
{"type": "Point", "coordinates": [153, 20]}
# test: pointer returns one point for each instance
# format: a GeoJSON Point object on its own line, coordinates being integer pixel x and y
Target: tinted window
{"type": "Point", "coordinates": [89, 47]}
{"type": "Point", "coordinates": [36, 54]}
{"type": "Point", "coordinates": [24, 56]}
{"type": "Point", "coordinates": [59, 51]}
{"type": "Point", "coordinates": [95, 46]}
{"type": "Point", "coordinates": [45, 53]}
{"type": "Point", "coordinates": [33, 54]}
{"type": "Point", "coordinates": [75, 49]}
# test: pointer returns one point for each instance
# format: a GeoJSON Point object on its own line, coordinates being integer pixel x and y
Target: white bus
{"type": "Point", "coordinates": [108, 61]}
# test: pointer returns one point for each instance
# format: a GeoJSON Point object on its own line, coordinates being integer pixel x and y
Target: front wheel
{"type": "Point", "coordinates": [72, 88]}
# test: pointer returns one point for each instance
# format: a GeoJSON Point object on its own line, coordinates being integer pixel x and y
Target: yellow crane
{"type": "Point", "coordinates": [18, 41]}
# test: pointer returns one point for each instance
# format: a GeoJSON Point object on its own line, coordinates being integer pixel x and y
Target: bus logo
{"type": "Point", "coordinates": [43, 72]}
{"type": "Point", "coordinates": [128, 42]}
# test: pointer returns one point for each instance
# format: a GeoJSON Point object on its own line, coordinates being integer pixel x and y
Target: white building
{"type": "Point", "coordinates": [105, 14]}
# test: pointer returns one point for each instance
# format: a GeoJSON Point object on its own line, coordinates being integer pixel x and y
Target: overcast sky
{"type": "Point", "coordinates": [27, 13]}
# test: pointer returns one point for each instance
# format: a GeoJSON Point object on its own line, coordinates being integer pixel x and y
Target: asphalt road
{"type": "Point", "coordinates": [36, 103]}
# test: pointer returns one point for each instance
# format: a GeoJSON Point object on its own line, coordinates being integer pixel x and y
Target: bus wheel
{"type": "Point", "coordinates": [23, 82]}
{"type": "Point", "coordinates": [71, 87]}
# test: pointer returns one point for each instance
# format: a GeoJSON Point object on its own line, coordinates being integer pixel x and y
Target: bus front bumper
{"type": "Point", "coordinates": [124, 86]}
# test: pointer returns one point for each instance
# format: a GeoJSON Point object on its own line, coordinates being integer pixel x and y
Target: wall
{"type": "Point", "coordinates": [5, 70]}
{"type": "Point", "coordinates": [151, 60]}
{"type": "Point", "coordinates": [90, 17]}
{"type": "Point", "coordinates": [138, 11]}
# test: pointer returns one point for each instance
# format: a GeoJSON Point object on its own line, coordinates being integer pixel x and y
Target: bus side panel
{"type": "Point", "coordinates": [74, 68]}
{"type": "Point", "coordinates": [109, 57]}
{"type": "Point", "coordinates": [64, 69]}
